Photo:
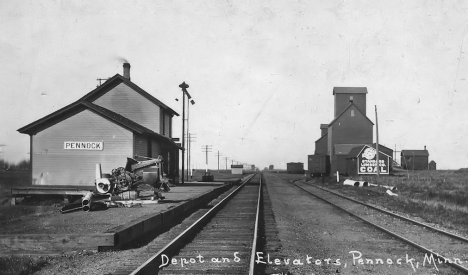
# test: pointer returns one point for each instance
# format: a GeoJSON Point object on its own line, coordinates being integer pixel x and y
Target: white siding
{"type": "Point", "coordinates": [125, 101]}
{"type": "Point", "coordinates": [167, 125]}
{"type": "Point", "coordinates": [53, 165]}
{"type": "Point", "coordinates": [155, 148]}
{"type": "Point", "coordinates": [141, 146]}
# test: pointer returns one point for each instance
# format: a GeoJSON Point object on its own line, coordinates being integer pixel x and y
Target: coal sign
{"type": "Point", "coordinates": [367, 162]}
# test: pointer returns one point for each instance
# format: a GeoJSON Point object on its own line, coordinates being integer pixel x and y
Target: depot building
{"type": "Point", "coordinates": [115, 121]}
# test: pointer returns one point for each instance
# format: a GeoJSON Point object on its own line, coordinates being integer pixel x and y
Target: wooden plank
{"type": "Point", "coordinates": [152, 223]}
{"type": "Point", "coordinates": [48, 192]}
{"type": "Point", "coordinates": [52, 243]}
{"type": "Point", "coordinates": [51, 190]}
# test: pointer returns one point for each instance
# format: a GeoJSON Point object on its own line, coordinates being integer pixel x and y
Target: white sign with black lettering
{"type": "Point", "coordinates": [83, 145]}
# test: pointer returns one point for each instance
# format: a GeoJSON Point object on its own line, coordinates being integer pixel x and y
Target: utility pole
{"type": "Point", "coordinates": [206, 149]}
{"type": "Point", "coordinates": [226, 159]}
{"type": "Point", "coordinates": [377, 142]}
{"type": "Point", "coordinates": [190, 138]}
{"type": "Point", "coordinates": [218, 154]}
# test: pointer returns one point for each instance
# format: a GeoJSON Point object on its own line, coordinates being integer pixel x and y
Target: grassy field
{"type": "Point", "coordinates": [439, 197]}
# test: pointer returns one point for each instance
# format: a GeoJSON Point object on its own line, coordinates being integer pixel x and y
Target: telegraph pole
{"type": "Point", "coordinates": [226, 159]}
{"type": "Point", "coordinates": [190, 138]}
{"type": "Point", "coordinates": [218, 154]}
{"type": "Point", "coordinates": [206, 149]}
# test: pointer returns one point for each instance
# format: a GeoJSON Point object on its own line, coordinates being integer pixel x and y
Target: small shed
{"type": "Point", "coordinates": [415, 159]}
{"type": "Point", "coordinates": [362, 160]}
{"type": "Point", "coordinates": [237, 169]}
{"type": "Point", "coordinates": [295, 167]}
{"type": "Point", "coordinates": [432, 165]}
{"type": "Point", "coordinates": [271, 167]}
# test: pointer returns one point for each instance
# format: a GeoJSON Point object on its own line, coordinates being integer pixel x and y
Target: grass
{"type": "Point", "coordinates": [15, 265]}
{"type": "Point", "coordinates": [439, 197]}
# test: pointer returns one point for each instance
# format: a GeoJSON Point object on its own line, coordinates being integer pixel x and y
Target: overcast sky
{"type": "Point", "coordinates": [261, 72]}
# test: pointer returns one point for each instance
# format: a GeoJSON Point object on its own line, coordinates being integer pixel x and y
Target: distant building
{"type": "Point", "coordinates": [432, 165]}
{"type": "Point", "coordinates": [295, 167]}
{"type": "Point", "coordinates": [415, 159]}
{"type": "Point", "coordinates": [271, 167]}
{"type": "Point", "coordinates": [237, 169]}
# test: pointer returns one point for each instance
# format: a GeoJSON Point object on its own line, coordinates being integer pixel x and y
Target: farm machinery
{"type": "Point", "coordinates": [134, 173]}
{"type": "Point", "coordinates": [122, 182]}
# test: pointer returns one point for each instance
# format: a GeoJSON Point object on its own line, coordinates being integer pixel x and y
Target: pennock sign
{"type": "Point", "coordinates": [367, 162]}
{"type": "Point", "coordinates": [83, 145]}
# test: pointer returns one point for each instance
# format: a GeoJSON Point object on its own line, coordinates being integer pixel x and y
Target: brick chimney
{"type": "Point", "coordinates": [126, 70]}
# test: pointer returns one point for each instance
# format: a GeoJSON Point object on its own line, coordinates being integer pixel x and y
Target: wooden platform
{"type": "Point", "coordinates": [115, 238]}
{"type": "Point", "coordinates": [51, 190]}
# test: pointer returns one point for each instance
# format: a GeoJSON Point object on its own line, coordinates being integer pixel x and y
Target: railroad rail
{"type": "Point", "coordinates": [222, 241]}
{"type": "Point", "coordinates": [337, 200]}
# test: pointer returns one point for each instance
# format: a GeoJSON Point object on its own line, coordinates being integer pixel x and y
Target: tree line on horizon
{"type": "Point", "coordinates": [22, 165]}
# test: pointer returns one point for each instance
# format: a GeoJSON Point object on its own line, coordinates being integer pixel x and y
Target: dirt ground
{"type": "Point", "coordinates": [310, 231]}
{"type": "Point", "coordinates": [334, 240]}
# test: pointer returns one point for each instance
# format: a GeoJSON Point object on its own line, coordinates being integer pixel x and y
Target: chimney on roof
{"type": "Point", "coordinates": [126, 70]}
{"type": "Point", "coordinates": [424, 147]}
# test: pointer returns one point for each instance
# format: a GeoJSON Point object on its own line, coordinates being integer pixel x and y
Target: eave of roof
{"type": "Point", "coordinates": [354, 153]}
{"type": "Point", "coordinates": [349, 90]}
{"type": "Point", "coordinates": [120, 120]}
{"type": "Point", "coordinates": [344, 111]}
{"type": "Point", "coordinates": [108, 84]}
{"type": "Point", "coordinates": [30, 128]}
{"type": "Point", "coordinates": [380, 145]}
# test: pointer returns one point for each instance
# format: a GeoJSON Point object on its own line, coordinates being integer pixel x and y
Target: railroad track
{"type": "Point", "coordinates": [222, 241]}
{"type": "Point", "coordinates": [440, 246]}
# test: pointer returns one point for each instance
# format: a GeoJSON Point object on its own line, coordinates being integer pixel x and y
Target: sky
{"type": "Point", "coordinates": [261, 72]}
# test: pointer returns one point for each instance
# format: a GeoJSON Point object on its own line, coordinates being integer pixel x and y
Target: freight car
{"type": "Point", "coordinates": [318, 165]}
{"type": "Point", "coordinates": [295, 167]}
